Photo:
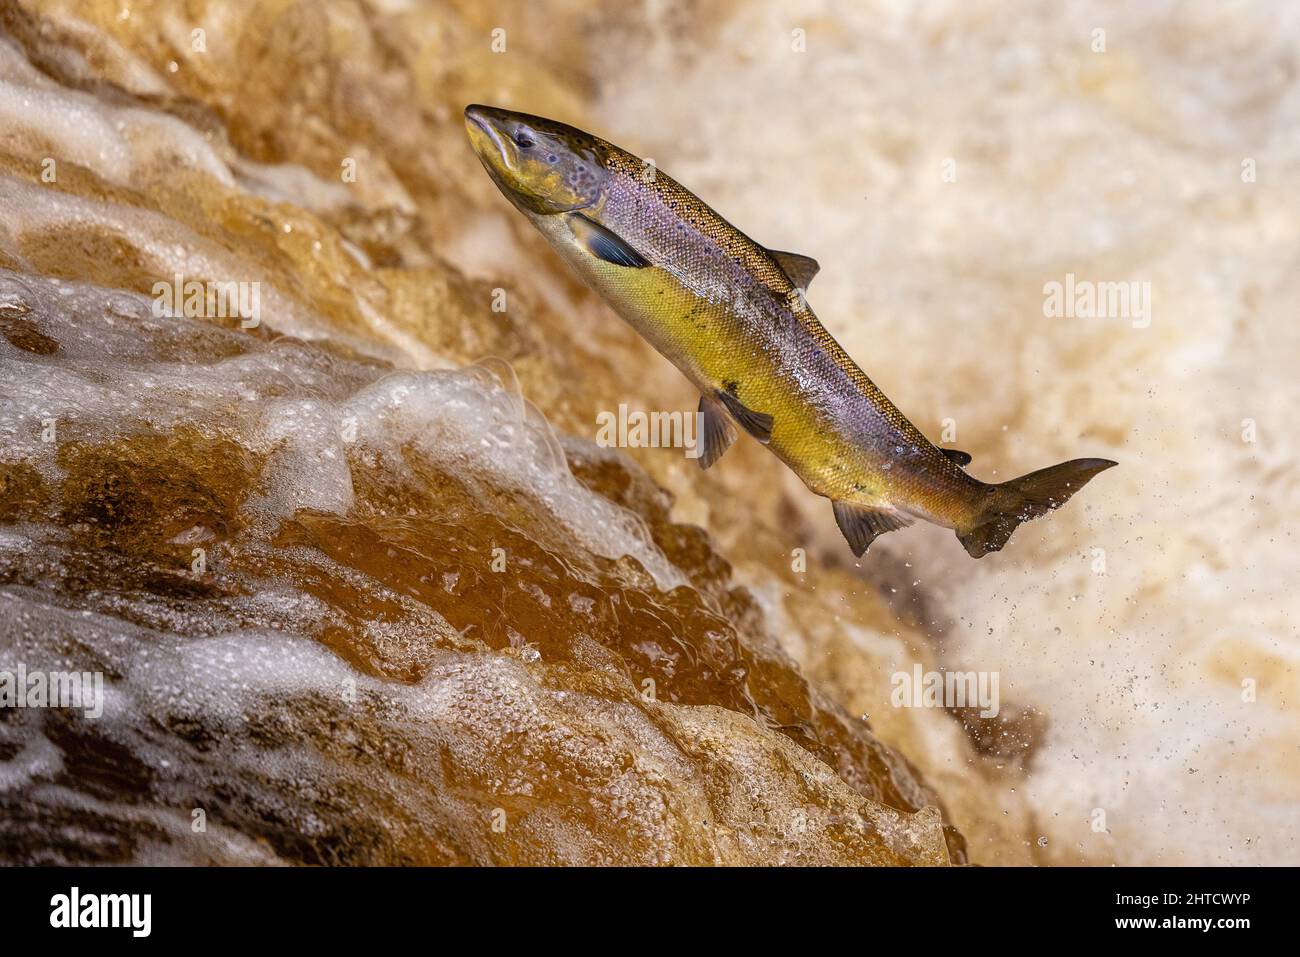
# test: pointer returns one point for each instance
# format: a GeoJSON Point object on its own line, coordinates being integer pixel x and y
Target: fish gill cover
{"type": "Point", "coordinates": [360, 594]}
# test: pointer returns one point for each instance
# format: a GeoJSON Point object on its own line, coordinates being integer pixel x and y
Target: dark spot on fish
{"type": "Point", "coordinates": [731, 386]}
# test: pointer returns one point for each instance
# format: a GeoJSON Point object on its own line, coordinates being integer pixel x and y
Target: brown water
{"type": "Point", "coordinates": [433, 622]}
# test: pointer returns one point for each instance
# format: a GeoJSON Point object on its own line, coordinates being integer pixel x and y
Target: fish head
{"type": "Point", "coordinates": [542, 166]}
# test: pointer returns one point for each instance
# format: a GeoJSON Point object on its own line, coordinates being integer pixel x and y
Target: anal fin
{"type": "Point", "coordinates": [862, 524]}
{"type": "Point", "coordinates": [716, 432]}
{"type": "Point", "coordinates": [757, 424]}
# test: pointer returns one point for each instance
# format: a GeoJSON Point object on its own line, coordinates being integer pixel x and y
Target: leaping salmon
{"type": "Point", "coordinates": [732, 316]}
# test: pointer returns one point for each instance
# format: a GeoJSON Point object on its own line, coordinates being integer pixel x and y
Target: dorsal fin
{"type": "Point", "coordinates": [958, 456]}
{"type": "Point", "coordinates": [604, 243]}
{"type": "Point", "coordinates": [800, 269]}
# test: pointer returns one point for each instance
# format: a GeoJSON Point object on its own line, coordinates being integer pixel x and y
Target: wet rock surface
{"type": "Point", "coordinates": [360, 615]}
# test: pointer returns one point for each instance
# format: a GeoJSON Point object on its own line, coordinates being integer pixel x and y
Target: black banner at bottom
{"type": "Point", "coordinates": [301, 906]}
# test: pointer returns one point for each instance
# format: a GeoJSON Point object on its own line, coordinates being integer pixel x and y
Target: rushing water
{"type": "Point", "coordinates": [359, 593]}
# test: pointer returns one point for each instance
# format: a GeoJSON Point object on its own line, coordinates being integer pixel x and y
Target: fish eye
{"type": "Point", "coordinates": [522, 140]}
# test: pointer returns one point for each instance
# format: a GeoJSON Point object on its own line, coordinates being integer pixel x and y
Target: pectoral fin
{"type": "Point", "coordinates": [604, 243]}
{"type": "Point", "coordinates": [716, 434]}
{"type": "Point", "coordinates": [800, 269]}
{"type": "Point", "coordinates": [958, 456]}
{"type": "Point", "coordinates": [757, 424]}
{"type": "Point", "coordinates": [861, 524]}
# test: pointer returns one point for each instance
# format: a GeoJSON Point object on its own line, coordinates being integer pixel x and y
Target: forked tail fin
{"type": "Point", "coordinates": [1021, 499]}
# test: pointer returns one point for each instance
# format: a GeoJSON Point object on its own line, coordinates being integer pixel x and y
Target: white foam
{"type": "Point", "coordinates": [1118, 165]}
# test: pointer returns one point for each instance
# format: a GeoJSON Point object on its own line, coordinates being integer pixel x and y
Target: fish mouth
{"type": "Point", "coordinates": [480, 126]}
{"type": "Point", "coordinates": [488, 128]}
